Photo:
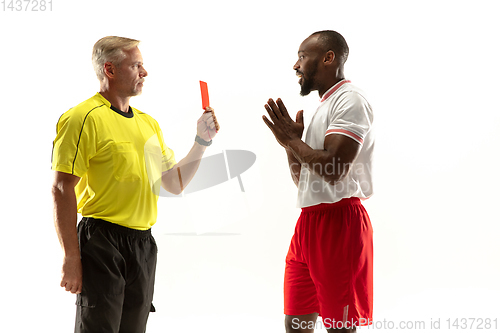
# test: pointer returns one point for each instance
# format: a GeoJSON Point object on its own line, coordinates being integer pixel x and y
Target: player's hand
{"type": "Point", "coordinates": [207, 125]}
{"type": "Point", "coordinates": [71, 274]}
{"type": "Point", "coordinates": [282, 126]}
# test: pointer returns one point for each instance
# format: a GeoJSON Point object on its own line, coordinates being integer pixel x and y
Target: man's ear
{"type": "Point", "coordinates": [109, 69]}
{"type": "Point", "coordinates": [329, 58]}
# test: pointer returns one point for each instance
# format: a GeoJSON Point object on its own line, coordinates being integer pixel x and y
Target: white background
{"type": "Point", "coordinates": [430, 70]}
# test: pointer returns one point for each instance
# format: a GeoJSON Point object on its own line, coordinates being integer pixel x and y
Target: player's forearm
{"type": "Point", "coordinates": [294, 166]}
{"type": "Point", "coordinates": [65, 216]}
{"type": "Point", "coordinates": [321, 162]}
{"type": "Point", "coordinates": [176, 179]}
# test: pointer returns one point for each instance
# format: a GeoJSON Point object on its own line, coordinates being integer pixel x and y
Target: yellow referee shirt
{"type": "Point", "coordinates": [118, 156]}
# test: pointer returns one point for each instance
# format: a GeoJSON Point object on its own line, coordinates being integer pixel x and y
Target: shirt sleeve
{"type": "Point", "coordinates": [352, 116]}
{"type": "Point", "coordinates": [75, 144]}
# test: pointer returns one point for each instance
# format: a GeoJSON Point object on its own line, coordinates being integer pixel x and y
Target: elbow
{"type": "Point", "coordinates": [171, 180]}
{"type": "Point", "coordinates": [58, 190]}
{"type": "Point", "coordinates": [55, 191]}
{"type": "Point", "coordinates": [333, 178]}
{"type": "Point", "coordinates": [171, 186]}
{"type": "Point", "coordinates": [176, 191]}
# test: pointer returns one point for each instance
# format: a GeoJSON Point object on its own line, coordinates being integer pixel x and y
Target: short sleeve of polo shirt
{"type": "Point", "coordinates": [75, 144]}
{"type": "Point", "coordinates": [351, 117]}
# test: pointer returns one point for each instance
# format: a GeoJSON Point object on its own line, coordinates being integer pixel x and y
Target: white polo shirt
{"type": "Point", "coordinates": [343, 110]}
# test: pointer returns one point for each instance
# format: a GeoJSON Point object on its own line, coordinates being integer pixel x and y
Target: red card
{"type": "Point", "coordinates": [204, 95]}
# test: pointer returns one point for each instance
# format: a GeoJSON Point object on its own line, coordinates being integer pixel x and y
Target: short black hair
{"type": "Point", "coordinates": [332, 40]}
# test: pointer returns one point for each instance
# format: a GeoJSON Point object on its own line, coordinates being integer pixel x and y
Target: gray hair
{"type": "Point", "coordinates": [110, 49]}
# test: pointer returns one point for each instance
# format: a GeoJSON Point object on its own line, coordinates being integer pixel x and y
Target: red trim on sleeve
{"type": "Point", "coordinates": [350, 134]}
{"type": "Point", "coordinates": [334, 89]}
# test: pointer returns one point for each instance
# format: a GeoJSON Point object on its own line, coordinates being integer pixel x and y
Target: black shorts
{"type": "Point", "coordinates": [119, 267]}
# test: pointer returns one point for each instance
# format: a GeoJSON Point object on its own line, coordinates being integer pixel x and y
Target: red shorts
{"type": "Point", "coordinates": [329, 266]}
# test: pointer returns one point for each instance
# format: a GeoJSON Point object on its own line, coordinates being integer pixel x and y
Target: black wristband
{"type": "Point", "coordinates": [202, 142]}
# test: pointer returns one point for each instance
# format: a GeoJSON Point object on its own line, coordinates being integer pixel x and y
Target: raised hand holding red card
{"type": "Point", "coordinates": [207, 124]}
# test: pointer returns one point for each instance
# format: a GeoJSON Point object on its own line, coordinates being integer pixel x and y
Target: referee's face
{"type": "Point", "coordinates": [131, 73]}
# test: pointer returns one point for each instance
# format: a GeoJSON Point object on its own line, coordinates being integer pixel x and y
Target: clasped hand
{"type": "Point", "coordinates": [282, 126]}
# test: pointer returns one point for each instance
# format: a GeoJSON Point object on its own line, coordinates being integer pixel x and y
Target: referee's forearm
{"type": "Point", "coordinates": [189, 164]}
{"type": "Point", "coordinates": [65, 218]}
{"type": "Point", "coordinates": [176, 179]}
